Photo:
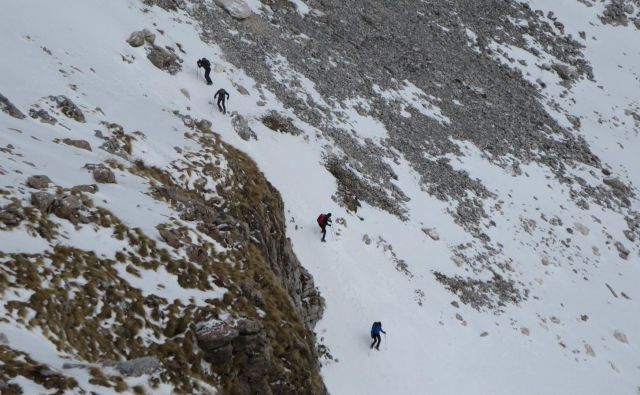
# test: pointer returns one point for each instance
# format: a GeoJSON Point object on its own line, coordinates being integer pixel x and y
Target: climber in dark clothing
{"type": "Point", "coordinates": [207, 69]}
{"type": "Point", "coordinates": [222, 95]}
{"type": "Point", "coordinates": [375, 334]}
{"type": "Point", "coordinates": [324, 220]}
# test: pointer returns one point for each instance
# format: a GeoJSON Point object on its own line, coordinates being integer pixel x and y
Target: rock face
{"type": "Point", "coordinates": [38, 182]}
{"type": "Point", "coordinates": [242, 344]}
{"type": "Point", "coordinates": [238, 9]}
{"type": "Point", "coordinates": [7, 107]}
{"type": "Point", "coordinates": [164, 59]}
{"type": "Point", "coordinates": [68, 108]}
{"type": "Point", "coordinates": [136, 367]}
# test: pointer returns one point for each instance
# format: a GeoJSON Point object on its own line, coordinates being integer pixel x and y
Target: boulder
{"type": "Point", "coordinates": [216, 334]}
{"type": "Point", "coordinates": [10, 216]}
{"type": "Point", "coordinates": [242, 128]}
{"type": "Point", "coordinates": [164, 59]}
{"type": "Point", "coordinates": [169, 236]}
{"type": "Point", "coordinates": [623, 251]}
{"type": "Point", "coordinates": [135, 367]}
{"type": "Point", "coordinates": [565, 72]}
{"type": "Point", "coordinates": [136, 39]}
{"type": "Point", "coordinates": [82, 144]}
{"type": "Point", "coordinates": [69, 207]}
{"type": "Point", "coordinates": [38, 182]}
{"type": "Point", "coordinates": [238, 9]}
{"type": "Point", "coordinates": [42, 201]}
{"type": "Point", "coordinates": [68, 108]}
{"type": "Point", "coordinates": [431, 232]}
{"type": "Point", "coordinates": [7, 107]}
{"type": "Point", "coordinates": [104, 175]}
{"type": "Point", "coordinates": [43, 116]}
{"type": "Point", "coordinates": [615, 183]}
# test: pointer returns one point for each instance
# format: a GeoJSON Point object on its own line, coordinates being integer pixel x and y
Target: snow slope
{"type": "Point", "coordinates": [539, 346]}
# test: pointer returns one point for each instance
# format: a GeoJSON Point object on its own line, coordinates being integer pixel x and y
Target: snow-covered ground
{"type": "Point", "coordinates": [560, 340]}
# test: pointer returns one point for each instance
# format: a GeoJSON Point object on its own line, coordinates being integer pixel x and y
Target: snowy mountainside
{"type": "Point", "coordinates": [480, 161]}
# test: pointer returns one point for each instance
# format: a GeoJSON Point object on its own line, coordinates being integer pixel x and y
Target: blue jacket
{"type": "Point", "coordinates": [376, 329]}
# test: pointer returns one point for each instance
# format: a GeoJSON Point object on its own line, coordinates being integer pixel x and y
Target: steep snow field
{"type": "Point", "coordinates": [542, 345]}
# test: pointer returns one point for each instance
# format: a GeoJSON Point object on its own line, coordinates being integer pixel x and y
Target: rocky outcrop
{"type": "Point", "coordinates": [68, 108]}
{"type": "Point", "coordinates": [238, 9]}
{"type": "Point", "coordinates": [238, 348]}
{"type": "Point", "coordinates": [7, 107]}
{"type": "Point", "coordinates": [164, 59]}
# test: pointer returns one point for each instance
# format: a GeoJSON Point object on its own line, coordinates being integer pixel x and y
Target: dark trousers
{"type": "Point", "coordinates": [324, 231]}
{"type": "Point", "coordinates": [376, 338]}
{"type": "Point", "coordinates": [207, 71]}
{"type": "Point", "coordinates": [221, 106]}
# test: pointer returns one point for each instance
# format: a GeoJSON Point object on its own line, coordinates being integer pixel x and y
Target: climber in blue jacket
{"type": "Point", "coordinates": [375, 334]}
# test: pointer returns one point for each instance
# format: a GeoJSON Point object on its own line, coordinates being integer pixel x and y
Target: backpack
{"type": "Point", "coordinates": [205, 63]}
{"type": "Point", "coordinates": [321, 219]}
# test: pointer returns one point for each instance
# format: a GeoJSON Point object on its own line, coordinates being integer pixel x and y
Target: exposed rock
{"type": "Point", "coordinates": [68, 108]}
{"type": "Point", "coordinates": [629, 235]}
{"type": "Point", "coordinates": [104, 175]}
{"type": "Point", "coordinates": [581, 228]}
{"type": "Point", "coordinates": [136, 39]}
{"type": "Point", "coordinates": [82, 144]}
{"type": "Point", "coordinates": [70, 208]}
{"type": "Point", "coordinates": [38, 182]}
{"type": "Point", "coordinates": [7, 107]}
{"type": "Point", "coordinates": [43, 116]}
{"type": "Point", "coordinates": [621, 337]}
{"type": "Point", "coordinates": [90, 188]}
{"type": "Point", "coordinates": [615, 183]}
{"type": "Point", "coordinates": [169, 236]}
{"type": "Point", "coordinates": [278, 123]}
{"type": "Point", "coordinates": [185, 92]}
{"type": "Point", "coordinates": [11, 216]}
{"type": "Point", "coordinates": [431, 232]}
{"type": "Point", "coordinates": [524, 331]}
{"type": "Point", "coordinates": [169, 5]}
{"type": "Point", "coordinates": [622, 250]}
{"type": "Point", "coordinates": [164, 59]}
{"type": "Point", "coordinates": [565, 72]}
{"type": "Point", "coordinates": [42, 200]}
{"type": "Point", "coordinates": [197, 254]}
{"type": "Point", "coordinates": [135, 367]}
{"type": "Point", "coordinates": [366, 239]}
{"type": "Point", "coordinates": [589, 350]}
{"type": "Point", "coordinates": [238, 9]}
{"type": "Point", "coordinates": [241, 126]}
{"type": "Point", "coordinates": [3, 338]}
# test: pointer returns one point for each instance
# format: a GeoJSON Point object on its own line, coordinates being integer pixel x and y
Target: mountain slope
{"type": "Point", "coordinates": [479, 160]}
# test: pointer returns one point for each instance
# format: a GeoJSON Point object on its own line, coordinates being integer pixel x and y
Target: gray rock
{"type": "Point", "coordinates": [82, 144]}
{"type": "Point", "coordinates": [11, 216]}
{"type": "Point", "coordinates": [565, 72]}
{"type": "Point", "coordinates": [68, 108]}
{"type": "Point", "coordinates": [91, 188]}
{"type": "Point", "coordinates": [104, 175]}
{"type": "Point", "coordinates": [136, 367]}
{"type": "Point", "coordinates": [164, 59]}
{"type": "Point", "coordinates": [215, 334]}
{"type": "Point", "coordinates": [621, 337]}
{"type": "Point", "coordinates": [136, 39]}
{"type": "Point", "coordinates": [38, 182]}
{"type": "Point", "coordinates": [615, 183]}
{"type": "Point", "coordinates": [431, 232]}
{"type": "Point", "coordinates": [242, 128]}
{"type": "Point", "coordinates": [149, 37]}
{"type": "Point", "coordinates": [69, 207]}
{"type": "Point", "coordinates": [7, 107]}
{"type": "Point", "coordinates": [43, 116]}
{"type": "Point", "coordinates": [42, 201]}
{"type": "Point", "coordinates": [3, 338]}
{"type": "Point", "coordinates": [623, 252]}
{"type": "Point", "coordinates": [238, 9]}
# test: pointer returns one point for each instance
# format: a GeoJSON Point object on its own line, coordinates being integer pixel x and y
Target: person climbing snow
{"type": "Point", "coordinates": [375, 334]}
{"type": "Point", "coordinates": [222, 95]}
{"type": "Point", "coordinates": [324, 220]}
{"type": "Point", "coordinates": [207, 69]}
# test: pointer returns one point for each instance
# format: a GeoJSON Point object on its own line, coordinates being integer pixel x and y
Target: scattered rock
{"type": "Point", "coordinates": [42, 201]}
{"type": "Point", "coordinates": [584, 317]}
{"type": "Point", "coordinates": [615, 183]}
{"type": "Point", "coordinates": [11, 216]}
{"type": "Point", "coordinates": [366, 239]}
{"type": "Point", "coordinates": [136, 39]}
{"type": "Point", "coordinates": [431, 232]}
{"type": "Point", "coordinates": [3, 338]}
{"type": "Point", "coordinates": [7, 107]}
{"type": "Point", "coordinates": [629, 235]}
{"type": "Point", "coordinates": [68, 108]}
{"type": "Point", "coordinates": [524, 331]}
{"type": "Point", "coordinates": [565, 72]}
{"type": "Point", "coordinates": [278, 123]}
{"type": "Point", "coordinates": [455, 304]}
{"type": "Point", "coordinates": [621, 337]}
{"type": "Point", "coordinates": [82, 144]}
{"type": "Point", "coordinates": [238, 9]}
{"type": "Point", "coordinates": [135, 367]}
{"type": "Point", "coordinates": [169, 236]}
{"type": "Point", "coordinates": [104, 175]}
{"type": "Point", "coordinates": [69, 207]}
{"type": "Point", "coordinates": [38, 182]}
{"type": "Point", "coordinates": [483, 334]}
{"type": "Point", "coordinates": [185, 92]}
{"type": "Point", "coordinates": [589, 350]}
